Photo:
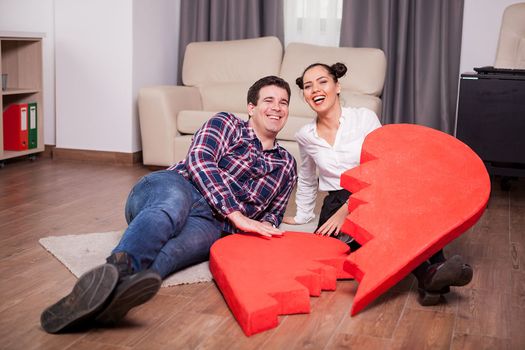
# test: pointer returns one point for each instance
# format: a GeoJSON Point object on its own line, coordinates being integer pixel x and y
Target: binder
{"type": "Point", "coordinates": [32, 140]}
{"type": "Point", "coordinates": [15, 127]}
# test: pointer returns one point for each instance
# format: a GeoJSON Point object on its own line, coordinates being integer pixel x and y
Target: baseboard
{"type": "Point", "coordinates": [115, 158]}
{"type": "Point", "coordinates": [48, 151]}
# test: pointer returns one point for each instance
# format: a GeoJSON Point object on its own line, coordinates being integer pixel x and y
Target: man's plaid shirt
{"type": "Point", "coordinates": [227, 164]}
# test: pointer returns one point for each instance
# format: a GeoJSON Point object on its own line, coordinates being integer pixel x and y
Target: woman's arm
{"type": "Point", "coordinates": [307, 187]}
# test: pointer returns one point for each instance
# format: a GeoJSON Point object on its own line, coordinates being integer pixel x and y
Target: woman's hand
{"type": "Point", "coordinates": [333, 225]}
{"type": "Point", "coordinates": [289, 220]}
{"type": "Point", "coordinates": [246, 224]}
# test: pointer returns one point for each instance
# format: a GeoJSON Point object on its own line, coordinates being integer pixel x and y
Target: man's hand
{"type": "Point", "coordinates": [333, 225]}
{"type": "Point", "coordinates": [246, 224]}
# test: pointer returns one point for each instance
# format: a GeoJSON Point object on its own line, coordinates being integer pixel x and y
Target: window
{"type": "Point", "coordinates": [313, 21]}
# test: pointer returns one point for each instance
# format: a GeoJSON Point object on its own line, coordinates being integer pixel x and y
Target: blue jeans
{"type": "Point", "coordinates": [170, 224]}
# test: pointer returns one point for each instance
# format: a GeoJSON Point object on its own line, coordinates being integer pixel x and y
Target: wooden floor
{"type": "Point", "coordinates": [47, 197]}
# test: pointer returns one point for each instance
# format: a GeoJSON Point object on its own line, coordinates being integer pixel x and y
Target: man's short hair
{"type": "Point", "coordinates": [253, 91]}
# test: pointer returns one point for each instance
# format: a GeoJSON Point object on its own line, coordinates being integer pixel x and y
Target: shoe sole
{"type": "Point", "coordinates": [129, 294]}
{"type": "Point", "coordinates": [465, 277]}
{"type": "Point", "coordinates": [87, 298]}
{"type": "Point", "coordinates": [428, 298]}
{"type": "Point", "coordinates": [454, 272]}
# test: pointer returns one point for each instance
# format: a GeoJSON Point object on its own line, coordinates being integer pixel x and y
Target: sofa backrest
{"type": "Point", "coordinates": [224, 70]}
{"type": "Point", "coordinates": [360, 87]}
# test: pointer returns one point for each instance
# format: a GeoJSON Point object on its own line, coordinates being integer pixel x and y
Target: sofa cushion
{"type": "Point", "coordinates": [231, 61]}
{"type": "Point", "coordinates": [188, 122]}
{"type": "Point", "coordinates": [225, 96]}
{"type": "Point", "coordinates": [293, 125]}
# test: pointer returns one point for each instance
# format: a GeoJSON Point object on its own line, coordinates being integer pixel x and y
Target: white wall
{"type": "Point", "coordinates": [93, 46]}
{"type": "Point", "coordinates": [104, 52]}
{"type": "Point", "coordinates": [107, 50]}
{"type": "Point", "coordinates": [36, 16]}
{"type": "Point", "coordinates": [155, 49]}
{"type": "Point", "coordinates": [481, 24]}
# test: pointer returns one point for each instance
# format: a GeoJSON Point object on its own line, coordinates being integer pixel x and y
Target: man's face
{"type": "Point", "coordinates": [269, 116]}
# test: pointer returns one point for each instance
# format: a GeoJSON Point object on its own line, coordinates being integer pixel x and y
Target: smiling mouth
{"type": "Point", "coordinates": [318, 99]}
{"type": "Point", "coordinates": [274, 117]}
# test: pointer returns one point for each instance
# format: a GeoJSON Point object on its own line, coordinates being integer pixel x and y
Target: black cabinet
{"type": "Point", "coordinates": [491, 120]}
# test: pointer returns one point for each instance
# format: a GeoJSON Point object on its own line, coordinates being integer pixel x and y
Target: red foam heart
{"type": "Point", "coordinates": [415, 191]}
{"type": "Point", "coordinates": [263, 278]}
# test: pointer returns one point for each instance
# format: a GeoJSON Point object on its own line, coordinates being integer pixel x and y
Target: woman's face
{"type": "Point", "coordinates": [320, 90]}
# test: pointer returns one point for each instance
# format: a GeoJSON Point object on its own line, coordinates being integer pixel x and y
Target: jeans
{"type": "Point", "coordinates": [170, 224]}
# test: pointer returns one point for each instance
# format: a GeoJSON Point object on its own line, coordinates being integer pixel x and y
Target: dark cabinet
{"type": "Point", "coordinates": [491, 120]}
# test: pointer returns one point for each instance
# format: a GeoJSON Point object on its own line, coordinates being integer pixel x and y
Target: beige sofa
{"type": "Point", "coordinates": [217, 75]}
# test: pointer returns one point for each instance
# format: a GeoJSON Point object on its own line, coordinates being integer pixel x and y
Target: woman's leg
{"type": "Point", "coordinates": [331, 203]}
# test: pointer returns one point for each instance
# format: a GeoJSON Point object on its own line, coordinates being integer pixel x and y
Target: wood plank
{"type": "Point", "coordinates": [344, 341]}
{"type": "Point", "coordinates": [140, 322]}
{"type": "Point", "coordinates": [314, 330]}
{"type": "Point", "coordinates": [53, 197]}
{"type": "Point", "coordinates": [379, 319]}
{"type": "Point", "coordinates": [484, 313]}
{"type": "Point", "coordinates": [473, 342]}
{"type": "Point", "coordinates": [517, 323]}
{"type": "Point", "coordinates": [423, 330]}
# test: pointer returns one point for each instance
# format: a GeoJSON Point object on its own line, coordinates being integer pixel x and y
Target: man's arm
{"type": "Point", "coordinates": [209, 144]}
{"type": "Point", "coordinates": [246, 224]}
{"type": "Point", "coordinates": [275, 212]}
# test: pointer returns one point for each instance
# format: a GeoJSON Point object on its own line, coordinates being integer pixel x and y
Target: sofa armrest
{"type": "Point", "coordinates": [158, 110]}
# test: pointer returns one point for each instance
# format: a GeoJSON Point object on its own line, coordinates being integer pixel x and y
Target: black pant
{"type": "Point", "coordinates": [332, 202]}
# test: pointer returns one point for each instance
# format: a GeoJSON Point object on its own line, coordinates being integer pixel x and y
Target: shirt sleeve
{"type": "Point", "coordinates": [209, 144]}
{"type": "Point", "coordinates": [372, 121]}
{"type": "Point", "coordinates": [306, 188]}
{"type": "Point", "coordinates": [277, 207]}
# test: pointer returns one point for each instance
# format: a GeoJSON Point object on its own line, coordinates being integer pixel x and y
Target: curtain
{"type": "Point", "coordinates": [215, 20]}
{"type": "Point", "coordinates": [312, 21]}
{"type": "Point", "coordinates": [422, 43]}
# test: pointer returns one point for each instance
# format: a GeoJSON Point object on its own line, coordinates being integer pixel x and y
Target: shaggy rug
{"type": "Point", "coordinates": [79, 253]}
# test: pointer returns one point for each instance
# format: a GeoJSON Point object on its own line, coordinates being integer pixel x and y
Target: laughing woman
{"type": "Point", "coordinates": [330, 145]}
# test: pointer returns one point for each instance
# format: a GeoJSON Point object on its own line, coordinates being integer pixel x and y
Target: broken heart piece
{"type": "Point", "coordinates": [263, 278]}
{"type": "Point", "coordinates": [416, 190]}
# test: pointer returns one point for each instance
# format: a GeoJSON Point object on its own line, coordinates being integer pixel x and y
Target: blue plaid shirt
{"type": "Point", "coordinates": [227, 164]}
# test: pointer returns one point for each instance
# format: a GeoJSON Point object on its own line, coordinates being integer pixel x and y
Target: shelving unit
{"type": "Point", "coordinates": [21, 60]}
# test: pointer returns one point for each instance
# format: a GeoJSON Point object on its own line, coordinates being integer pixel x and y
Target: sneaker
{"type": "Point", "coordinates": [453, 272]}
{"type": "Point", "coordinates": [122, 262]}
{"type": "Point", "coordinates": [131, 291]}
{"type": "Point", "coordinates": [88, 297]}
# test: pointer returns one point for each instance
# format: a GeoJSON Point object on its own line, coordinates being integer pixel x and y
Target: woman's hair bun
{"type": "Point", "coordinates": [339, 69]}
{"type": "Point", "coordinates": [299, 82]}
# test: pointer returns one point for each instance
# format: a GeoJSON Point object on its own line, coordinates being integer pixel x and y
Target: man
{"type": "Point", "coordinates": [235, 178]}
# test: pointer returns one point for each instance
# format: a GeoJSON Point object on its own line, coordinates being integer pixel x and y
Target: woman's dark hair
{"type": "Point", "coordinates": [253, 91]}
{"type": "Point", "coordinates": [336, 71]}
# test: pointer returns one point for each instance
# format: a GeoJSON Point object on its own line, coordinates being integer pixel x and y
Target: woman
{"type": "Point", "coordinates": [330, 145]}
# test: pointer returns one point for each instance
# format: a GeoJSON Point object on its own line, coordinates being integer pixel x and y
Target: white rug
{"type": "Point", "coordinates": [80, 253]}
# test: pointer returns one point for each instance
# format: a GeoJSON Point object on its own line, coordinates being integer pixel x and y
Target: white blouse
{"type": "Point", "coordinates": [317, 155]}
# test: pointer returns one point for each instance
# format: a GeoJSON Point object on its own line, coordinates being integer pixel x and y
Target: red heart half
{"type": "Point", "coordinates": [416, 190]}
{"type": "Point", "coordinates": [263, 278]}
